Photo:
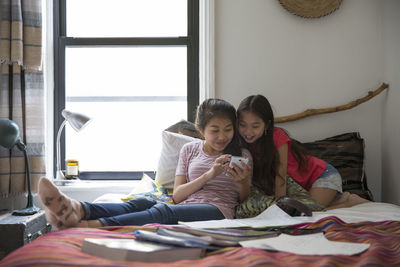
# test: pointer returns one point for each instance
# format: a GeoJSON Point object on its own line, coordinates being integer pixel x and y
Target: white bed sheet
{"type": "Point", "coordinates": [370, 211]}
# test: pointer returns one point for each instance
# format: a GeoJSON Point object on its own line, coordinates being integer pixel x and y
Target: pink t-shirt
{"type": "Point", "coordinates": [221, 191]}
{"type": "Point", "coordinates": [315, 165]}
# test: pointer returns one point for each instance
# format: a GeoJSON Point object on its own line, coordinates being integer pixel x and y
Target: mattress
{"type": "Point", "coordinates": [375, 223]}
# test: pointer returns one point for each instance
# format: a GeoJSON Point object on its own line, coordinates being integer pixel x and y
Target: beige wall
{"type": "Point", "coordinates": [390, 114]}
{"type": "Point", "coordinates": [308, 63]}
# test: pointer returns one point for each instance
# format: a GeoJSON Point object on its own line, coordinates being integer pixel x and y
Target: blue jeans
{"type": "Point", "coordinates": [140, 211]}
{"type": "Point", "coordinates": [330, 178]}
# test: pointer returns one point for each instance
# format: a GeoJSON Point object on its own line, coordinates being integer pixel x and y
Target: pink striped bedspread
{"type": "Point", "coordinates": [63, 248]}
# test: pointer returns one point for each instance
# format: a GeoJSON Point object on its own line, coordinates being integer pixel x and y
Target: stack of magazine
{"type": "Point", "coordinates": [170, 243]}
{"type": "Point", "coordinates": [217, 237]}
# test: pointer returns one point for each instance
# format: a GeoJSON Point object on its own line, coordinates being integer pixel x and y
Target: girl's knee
{"type": "Point", "coordinates": [163, 213]}
{"type": "Point", "coordinates": [142, 203]}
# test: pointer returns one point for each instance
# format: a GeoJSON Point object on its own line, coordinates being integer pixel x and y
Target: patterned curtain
{"type": "Point", "coordinates": [22, 97]}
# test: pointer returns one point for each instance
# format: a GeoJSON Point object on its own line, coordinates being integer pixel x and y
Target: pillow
{"type": "Point", "coordinates": [346, 153]}
{"type": "Point", "coordinates": [168, 161]}
{"type": "Point", "coordinates": [149, 188]}
{"type": "Point", "coordinates": [258, 201]}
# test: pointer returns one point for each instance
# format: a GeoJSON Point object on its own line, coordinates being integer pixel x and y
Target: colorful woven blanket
{"type": "Point", "coordinates": [63, 248]}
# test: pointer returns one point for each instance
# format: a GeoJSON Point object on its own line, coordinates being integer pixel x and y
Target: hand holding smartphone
{"type": "Point", "coordinates": [238, 160]}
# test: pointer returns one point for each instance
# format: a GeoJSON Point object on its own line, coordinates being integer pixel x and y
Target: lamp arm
{"type": "Point", "coordinates": [30, 196]}
{"type": "Point", "coordinates": [9, 137]}
{"type": "Point", "coordinates": [30, 207]}
{"type": "Point", "coordinates": [58, 147]}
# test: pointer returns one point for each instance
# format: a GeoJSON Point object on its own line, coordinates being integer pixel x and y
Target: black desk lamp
{"type": "Point", "coordinates": [9, 137]}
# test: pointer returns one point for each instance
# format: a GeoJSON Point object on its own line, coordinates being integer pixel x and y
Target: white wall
{"type": "Point", "coordinates": [390, 115]}
{"type": "Point", "coordinates": [298, 63]}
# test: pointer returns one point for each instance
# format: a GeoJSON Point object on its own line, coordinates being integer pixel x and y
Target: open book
{"type": "Point", "coordinates": [312, 244]}
{"type": "Point", "coordinates": [133, 250]}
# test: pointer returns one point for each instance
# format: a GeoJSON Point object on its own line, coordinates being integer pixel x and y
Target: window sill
{"type": "Point", "coordinates": [89, 190]}
{"type": "Point", "coordinates": [76, 183]}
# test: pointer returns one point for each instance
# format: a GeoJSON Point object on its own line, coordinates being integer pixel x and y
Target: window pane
{"type": "Point", "coordinates": [126, 71]}
{"type": "Point", "coordinates": [122, 136]}
{"type": "Point", "coordinates": [132, 94]}
{"type": "Point", "coordinates": [126, 18]}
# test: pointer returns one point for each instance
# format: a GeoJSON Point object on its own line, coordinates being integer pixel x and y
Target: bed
{"type": "Point", "coordinates": [375, 223]}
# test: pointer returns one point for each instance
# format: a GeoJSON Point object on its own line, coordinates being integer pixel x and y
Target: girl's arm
{"type": "Point", "coordinates": [245, 188]}
{"type": "Point", "coordinates": [183, 189]}
{"type": "Point", "coordinates": [280, 180]}
{"type": "Point", "coordinates": [243, 177]}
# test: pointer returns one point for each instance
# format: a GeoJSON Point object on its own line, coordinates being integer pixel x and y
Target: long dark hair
{"type": "Point", "coordinates": [265, 154]}
{"type": "Point", "coordinates": [213, 107]}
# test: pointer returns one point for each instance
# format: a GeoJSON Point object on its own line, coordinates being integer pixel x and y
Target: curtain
{"type": "Point", "coordinates": [22, 97]}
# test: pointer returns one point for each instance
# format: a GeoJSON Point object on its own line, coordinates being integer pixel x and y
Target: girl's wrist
{"type": "Point", "coordinates": [245, 181]}
{"type": "Point", "coordinates": [210, 173]}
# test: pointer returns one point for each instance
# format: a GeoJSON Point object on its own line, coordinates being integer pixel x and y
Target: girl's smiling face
{"type": "Point", "coordinates": [218, 133]}
{"type": "Point", "coordinates": [251, 127]}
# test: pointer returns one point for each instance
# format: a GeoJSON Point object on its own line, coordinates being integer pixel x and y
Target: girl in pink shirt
{"type": "Point", "coordinates": [275, 156]}
{"type": "Point", "coordinates": [205, 188]}
{"type": "Point", "coordinates": [202, 174]}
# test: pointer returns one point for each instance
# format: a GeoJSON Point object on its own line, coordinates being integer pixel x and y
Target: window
{"type": "Point", "coordinates": [132, 66]}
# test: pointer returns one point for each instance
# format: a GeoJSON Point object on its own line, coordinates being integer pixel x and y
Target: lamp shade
{"type": "Point", "coordinates": [9, 133]}
{"type": "Point", "coordinates": [76, 120]}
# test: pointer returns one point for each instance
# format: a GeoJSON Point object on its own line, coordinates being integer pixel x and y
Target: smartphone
{"type": "Point", "coordinates": [237, 160]}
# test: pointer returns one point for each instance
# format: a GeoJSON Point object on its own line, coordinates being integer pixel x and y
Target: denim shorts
{"type": "Point", "coordinates": [330, 178]}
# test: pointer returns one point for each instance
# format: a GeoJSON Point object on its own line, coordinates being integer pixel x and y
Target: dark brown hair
{"type": "Point", "coordinates": [265, 154]}
{"type": "Point", "coordinates": [213, 107]}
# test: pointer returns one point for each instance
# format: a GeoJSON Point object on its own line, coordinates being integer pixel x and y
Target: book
{"type": "Point", "coordinates": [178, 239]}
{"type": "Point", "coordinates": [170, 239]}
{"type": "Point", "coordinates": [209, 242]}
{"type": "Point", "coordinates": [135, 250]}
{"type": "Point", "coordinates": [227, 234]}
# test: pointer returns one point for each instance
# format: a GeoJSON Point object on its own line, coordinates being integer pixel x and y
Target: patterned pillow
{"type": "Point", "coordinates": [346, 153]}
{"type": "Point", "coordinates": [186, 128]}
{"type": "Point", "coordinates": [258, 201]}
{"type": "Point", "coordinates": [150, 188]}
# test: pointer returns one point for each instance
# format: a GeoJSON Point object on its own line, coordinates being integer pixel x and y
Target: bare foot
{"type": "Point", "coordinates": [347, 200]}
{"type": "Point", "coordinates": [52, 219]}
{"type": "Point", "coordinates": [355, 199]}
{"type": "Point", "coordinates": [341, 199]}
{"type": "Point", "coordinates": [61, 211]}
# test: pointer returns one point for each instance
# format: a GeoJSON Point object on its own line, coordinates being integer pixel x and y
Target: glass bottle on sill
{"type": "Point", "coordinates": [71, 169]}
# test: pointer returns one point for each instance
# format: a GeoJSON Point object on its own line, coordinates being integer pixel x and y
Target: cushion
{"type": "Point", "coordinates": [258, 201]}
{"type": "Point", "coordinates": [186, 128]}
{"type": "Point", "coordinates": [168, 161]}
{"type": "Point", "coordinates": [149, 188]}
{"type": "Point", "coordinates": [346, 153]}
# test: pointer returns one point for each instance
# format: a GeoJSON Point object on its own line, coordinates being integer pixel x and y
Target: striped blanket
{"type": "Point", "coordinates": [63, 248]}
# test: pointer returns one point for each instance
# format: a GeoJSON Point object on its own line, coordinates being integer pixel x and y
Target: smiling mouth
{"type": "Point", "coordinates": [221, 144]}
{"type": "Point", "coordinates": [248, 138]}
